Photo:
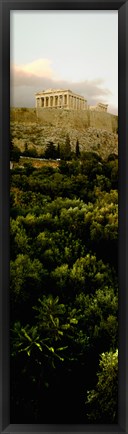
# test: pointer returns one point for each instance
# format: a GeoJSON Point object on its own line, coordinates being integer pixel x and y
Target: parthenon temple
{"type": "Point", "coordinates": [65, 99]}
{"type": "Point", "coordinates": [60, 98]}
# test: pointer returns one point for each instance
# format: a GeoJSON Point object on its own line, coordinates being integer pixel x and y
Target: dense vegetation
{"type": "Point", "coordinates": [64, 291]}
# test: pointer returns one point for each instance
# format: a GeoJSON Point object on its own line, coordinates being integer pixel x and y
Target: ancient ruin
{"type": "Point", "coordinates": [100, 107]}
{"type": "Point", "coordinates": [65, 99]}
{"type": "Point", "coordinates": [60, 98]}
{"type": "Point", "coordinates": [63, 108]}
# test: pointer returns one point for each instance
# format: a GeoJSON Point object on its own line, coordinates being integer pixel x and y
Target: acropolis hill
{"type": "Point", "coordinates": [52, 119]}
{"type": "Point", "coordinates": [53, 105]}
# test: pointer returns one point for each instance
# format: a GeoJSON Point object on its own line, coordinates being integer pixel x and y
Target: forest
{"type": "Point", "coordinates": [64, 289]}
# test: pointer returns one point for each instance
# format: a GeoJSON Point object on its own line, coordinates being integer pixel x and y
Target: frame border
{"type": "Point", "coordinates": [5, 8]}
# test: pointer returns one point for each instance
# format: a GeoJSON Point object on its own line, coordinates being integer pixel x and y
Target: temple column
{"type": "Point", "coordinates": [60, 100]}
{"type": "Point", "coordinates": [56, 100]}
{"type": "Point", "coordinates": [68, 101]}
{"type": "Point", "coordinates": [51, 101]}
{"type": "Point", "coordinates": [42, 102]}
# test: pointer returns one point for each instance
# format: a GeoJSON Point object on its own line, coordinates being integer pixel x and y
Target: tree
{"type": "Point", "coordinates": [63, 286]}
{"type": "Point", "coordinates": [26, 150]}
{"type": "Point", "coordinates": [31, 152]}
{"type": "Point", "coordinates": [102, 402]}
{"type": "Point", "coordinates": [67, 147]}
{"type": "Point", "coordinates": [54, 320]}
{"type": "Point", "coordinates": [58, 151]}
{"type": "Point", "coordinates": [14, 153]}
{"type": "Point", "coordinates": [50, 151]}
{"type": "Point", "coordinates": [63, 166]}
{"type": "Point", "coordinates": [65, 151]}
{"type": "Point", "coordinates": [25, 276]}
{"type": "Point", "coordinates": [28, 168]}
{"type": "Point", "coordinates": [77, 149]}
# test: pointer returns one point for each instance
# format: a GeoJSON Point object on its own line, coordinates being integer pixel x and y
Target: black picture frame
{"type": "Point", "coordinates": [5, 8]}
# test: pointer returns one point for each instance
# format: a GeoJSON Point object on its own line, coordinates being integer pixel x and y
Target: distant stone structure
{"type": "Point", "coordinates": [65, 99]}
{"type": "Point", "coordinates": [60, 98]}
{"type": "Point", "coordinates": [100, 107]}
{"type": "Point", "coordinates": [64, 108]}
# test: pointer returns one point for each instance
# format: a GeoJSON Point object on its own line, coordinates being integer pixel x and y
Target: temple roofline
{"type": "Point", "coordinates": [65, 99]}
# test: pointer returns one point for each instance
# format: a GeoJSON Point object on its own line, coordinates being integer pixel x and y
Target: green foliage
{"type": "Point", "coordinates": [89, 274]}
{"type": "Point", "coordinates": [30, 152]}
{"type": "Point", "coordinates": [25, 275]}
{"type": "Point", "coordinates": [29, 168]}
{"type": "Point", "coordinates": [103, 400]}
{"type": "Point", "coordinates": [55, 324]}
{"type": "Point", "coordinates": [15, 153]}
{"type": "Point", "coordinates": [24, 339]}
{"type": "Point", "coordinates": [100, 317]}
{"type": "Point", "coordinates": [77, 149]}
{"type": "Point", "coordinates": [63, 285]}
{"type": "Point", "coordinates": [58, 151]}
{"type": "Point", "coordinates": [50, 151]}
{"type": "Point", "coordinates": [65, 150]}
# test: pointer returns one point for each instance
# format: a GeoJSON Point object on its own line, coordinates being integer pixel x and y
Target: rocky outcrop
{"type": "Point", "coordinates": [26, 128]}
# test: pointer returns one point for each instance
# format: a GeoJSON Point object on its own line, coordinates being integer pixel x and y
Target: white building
{"type": "Point", "coordinates": [60, 98]}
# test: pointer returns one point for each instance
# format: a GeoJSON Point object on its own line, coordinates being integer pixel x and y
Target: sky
{"type": "Point", "coordinates": [76, 50]}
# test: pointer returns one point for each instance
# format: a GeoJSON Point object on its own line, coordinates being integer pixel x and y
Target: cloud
{"type": "Point", "coordinates": [40, 68]}
{"type": "Point", "coordinates": [26, 80]}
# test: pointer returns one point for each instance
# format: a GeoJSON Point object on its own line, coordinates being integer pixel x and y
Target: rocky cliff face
{"type": "Point", "coordinates": [95, 133]}
{"type": "Point", "coordinates": [81, 119]}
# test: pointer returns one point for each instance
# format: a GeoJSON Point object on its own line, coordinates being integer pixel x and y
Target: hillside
{"type": "Point", "coordinates": [54, 125]}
